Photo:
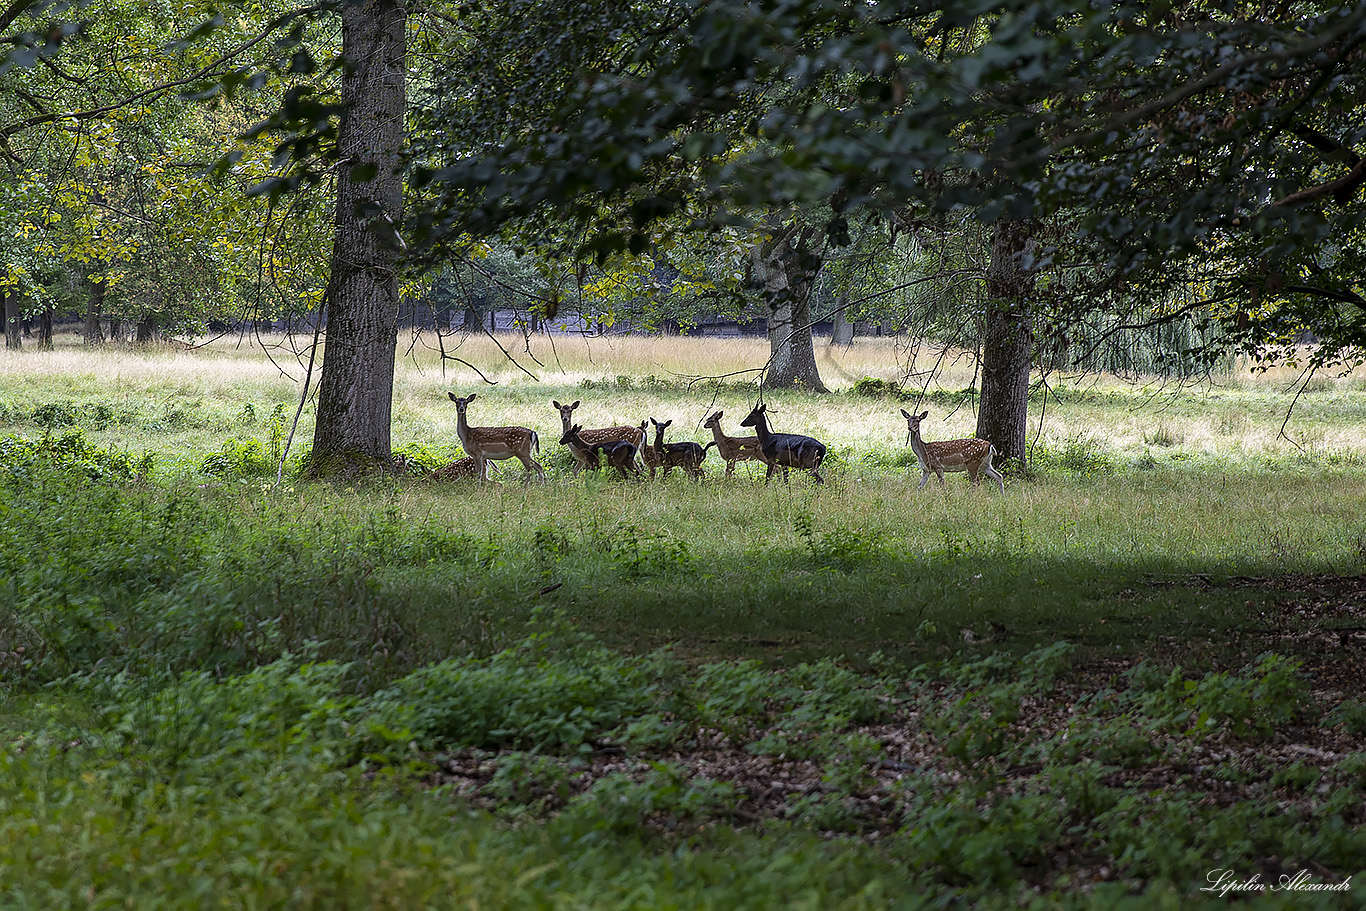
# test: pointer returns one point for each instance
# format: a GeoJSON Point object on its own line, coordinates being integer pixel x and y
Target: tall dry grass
{"type": "Point", "coordinates": [1242, 415]}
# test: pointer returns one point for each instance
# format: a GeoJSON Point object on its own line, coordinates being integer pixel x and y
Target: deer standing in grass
{"type": "Point", "coordinates": [972, 456]}
{"type": "Point", "coordinates": [633, 435]}
{"type": "Point", "coordinates": [685, 455]}
{"type": "Point", "coordinates": [648, 455]}
{"type": "Point", "coordinates": [484, 443]}
{"type": "Point", "coordinates": [733, 449]}
{"type": "Point", "coordinates": [620, 454]}
{"type": "Point", "coordinates": [785, 450]}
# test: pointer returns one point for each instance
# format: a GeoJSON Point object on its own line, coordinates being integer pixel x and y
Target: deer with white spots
{"type": "Point", "coordinates": [733, 449]}
{"type": "Point", "coordinates": [972, 456]}
{"type": "Point", "coordinates": [484, 443]}
{"type": "Point", "coordinates": [633, 435]}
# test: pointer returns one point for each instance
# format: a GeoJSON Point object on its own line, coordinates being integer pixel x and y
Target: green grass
{"type": "Point", "coordinates": [391, 692]}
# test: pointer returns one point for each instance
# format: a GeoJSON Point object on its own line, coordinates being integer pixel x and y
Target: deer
{"type": "Point", "coordinates": [785, 450]}
{"type": "Point", "coordinates": [972, 456]}
{"type": "Point", "coordinates": [466, 469]}
{"type": "Point", "coordinates": [648, 454]}
{"type": "Point", "coordinates": [484, 443]}
{"type": "Point", "coordinates": [685, 455]}
{"type": "Point", "coordinates": [733, 449]}
{"type": "Point", "coordinates": [633, 435]}
{"type": "Point", "coordinates": [620, 454]}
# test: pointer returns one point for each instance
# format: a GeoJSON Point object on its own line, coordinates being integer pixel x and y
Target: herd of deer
{"type": "Point", "coordinates": [628, 450]}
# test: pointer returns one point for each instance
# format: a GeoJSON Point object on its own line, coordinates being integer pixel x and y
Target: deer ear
{"type": "Point", "coordinates": [557, 405]}
{"type": "Point", "coordinates": [923, 415]}
{"type": "Point", "coordinates": [454, 397]}
{"type": "Point", "coordinates": [905, 414]}
{"type": "Point", "coordinates": [575, 405]}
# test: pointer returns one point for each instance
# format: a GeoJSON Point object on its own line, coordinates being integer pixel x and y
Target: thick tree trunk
{"type": "Point", "coordinates": [14, 330]}
{"type": "Point", "coordinates": [45, 329]}
{"type": "Point", "coordinates": [785, 268]}
{"type": "Point", "coordinates": [1008, 339]}
{"type": "Point", "coordinates": [94, 335]}
{"type": "Point", "coordinates": [355, 394]}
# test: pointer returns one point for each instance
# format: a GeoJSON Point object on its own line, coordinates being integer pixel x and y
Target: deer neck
{"type": "Point", "coordinates": [761, 429]}
{"type": "Point", "coordinates": [462, 430]}
{"type": "Point", "coordinates": [918, 446]}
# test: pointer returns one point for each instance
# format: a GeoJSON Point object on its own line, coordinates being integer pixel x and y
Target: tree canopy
{"type": "Point", "coordinates": [1211, 145]}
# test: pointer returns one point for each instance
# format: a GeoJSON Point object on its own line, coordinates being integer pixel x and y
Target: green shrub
{"type": "Point", "coordinates": [872, 387]}
{"type": "Point", "coordinates": [245, 459]}
{"type": "Point", "coordinates": [71, 452]}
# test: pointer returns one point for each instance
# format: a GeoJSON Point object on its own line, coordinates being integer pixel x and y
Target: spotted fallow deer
{"type": "Point", "coordinates": [733, 449]}
{"type": "Point", "coordinates": [785, 450]}
{"type": "Point", "coordinates": [485, 443]}
{"type": "Point", "coordinates": [972, 456]}
{"type": "Point", "coordinates": [466, 469]}
{"type": "Point", "coordinates": [633, 435]}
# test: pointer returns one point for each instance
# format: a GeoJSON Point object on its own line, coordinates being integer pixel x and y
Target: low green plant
{"type": "Point", "coordinates": [558, 690]}
{"type": "Point", "coordinates": [239, 459]}
{"type": "Point", "coordinates": [1248, 706]}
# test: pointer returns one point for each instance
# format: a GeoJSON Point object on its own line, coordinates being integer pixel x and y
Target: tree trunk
{"type": "Point", "coordinates": [355, 394]}
{"type": "Point", "coordinates": [14, 334]}
{"type": "Point", "coordinates": [94, 335]}
{"type": "Point", "coordinates": [785, 268]}
{"type": "Point", "coordinates": [1008, 339]}
{"type": "Point", "coordinates": [842, 331]}
{"type": "Point", "coordinates": [147, 329]}
{"type": "Point", "coordinates": [45, 329]}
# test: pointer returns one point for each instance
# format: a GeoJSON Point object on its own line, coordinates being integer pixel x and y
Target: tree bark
{"type": "Point", "coordinates": [45, 329]}
{"type": "Point", "coordinates": [841, 331]}
{"type": "Point", "coordinates": [94, 335]}
{"type": "Point", "coordinates": [785, 268]}
{"type": "Point", "coordinates": [355, 393]}
{"type": "Point", "coordinates": [1008, 339]}
{"type": "Point", "coordinates": [147, 329]}
{"type": "Point", "coordinates": [14, 335]}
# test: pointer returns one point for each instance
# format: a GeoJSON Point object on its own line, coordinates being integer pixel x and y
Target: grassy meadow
{"type": "Point", "coordinates": [1138, 667]}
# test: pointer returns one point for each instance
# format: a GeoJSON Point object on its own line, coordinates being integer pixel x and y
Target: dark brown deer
{"type": "Point", "coordinates": [685, 455]}
{"type": "Point", "coordinates": [618, 453]}
{"type": "Point", "coordinates": [632, 435]}
{"type": "Point", "coordinates": [785, 450]}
